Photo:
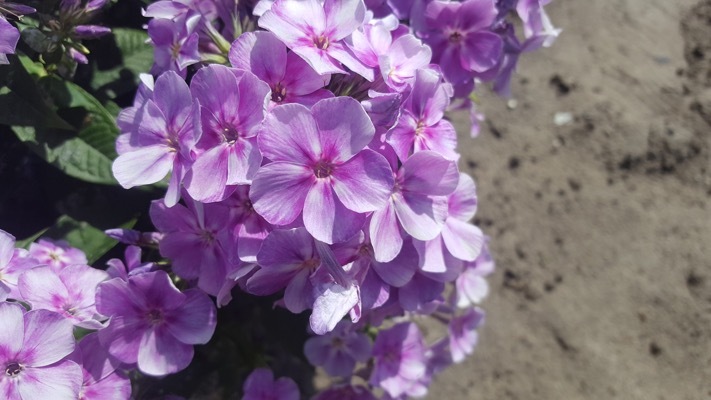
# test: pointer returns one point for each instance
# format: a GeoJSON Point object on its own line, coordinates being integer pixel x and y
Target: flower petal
{"type": "Point", "coordinates": [161, 354]}
{"type": "Point", "coordinates": [262, 53]}
{"type": "Point", "coordinates": [48, 338]}
{"type": "Point", "coordinates": [13, 332]}
{"type": "Point", "coordinates": [143, 166]}
{"type": "Point", "coordinates": [400, 270]}
{"type": "Point", "coordinates": [462, 239]}
{"type": "Point", "coordinates": [421, 216]}
{"type": "Point", "coordinates": [385, 233]}
{"type": "Point", "coordinates": [326, 218]}
{"type": "Point", "coordinates": [429, 173]}
{"type": "Point", "coordinates": [194, 322]}
{"type": "Point", "coordinates": [344, 127]}
{"type": "Point", "coordinates": [290, 134]}
{"type": "Point", "coordinates": [61, 381]}
{"type": "Point", "coordinates": [364, 183]}
{"type": "Point", "coordinates": [279, 191]}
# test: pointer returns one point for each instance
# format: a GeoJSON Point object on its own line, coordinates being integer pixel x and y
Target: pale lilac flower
{"type": "Point", "coordinates": [421, 125]}
{"type": "Point", "coordinates": [15, 9]}
{"type": "Point", "coordinates": [460, 37]}
{"type": "Point", "coordinates": [9, 35]}
{"type": "Point", "coordinates": [129, 119]}
{"type": "Point", "coordinates": [422, 292]}
{"type": "Point", "coordinates": [471, 284]}
{"type": "Point", "coordinates": [347, 392]}
{"type": "Point", "coordinates": [290, 78]}
{"type": "Point", "coordinates": [233, 104]}
{"type": "Point", "coordinates": [33, 347]}
{"type": "Point", "coordinates": [175, 43]}
{"type": "Point", "coordinates": [134, 237]}
{"type": "Point", "coordinates": [404, 58]}
{"type": "Point", "coordinates": [251, 228]}
{"type": "Point", "coordinates": [458, 239]}
{"type": "Point", "coordinates": [463, 335]}
{"type": "Point", "coordinates": [320, 166]}
{"type": "Point", "coordinates": [536, 23]}
{"type": "Point", "coordinates": [133, 265]}
{"type": "Point", "coordinates": [101, 378]}
{"type": "Point", "coordinates": [339, 350]}
{"type": "Point", "coordinates": [261, 385]}
{"type": "Point", "coordinates": [316, 32]}
{"type": "Point", "coordinates": [169, 128]}
{"type": "Point", "coordinates": [417, 204]}
{"type": "Point", "coordinates": [90, 31]}
{"type": "Point", "coordinates": [57, 254]}
{"type": "Point", "coordinates": [371, 41]}
{"type": "Point", "coordinates": [400, 359]}
{"type": "Point", "coordinates": [152, 323]}
{"type": "Point", "coordinates": [13, 262]}
{"type": "Point", "coordinates": [69, 292]}
{"type": "Point", "coordinates": [195, 240]}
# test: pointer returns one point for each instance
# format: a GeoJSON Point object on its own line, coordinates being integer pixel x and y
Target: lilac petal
{"type": "Point", "coordinates": [310, 99]}
{"type": "Point", "coordinates": [290, 21]}
{"type": "Point", "coordinates": [158, 290]}
{"type": "Point", "coordinates": [418, 292]}
{"type": "Point", "coordinates": [477, 14]}
{"type": "Point", "coordinates": [8, 387]}
{"type": "Point", "coordinates": [122, 338]}
{"type": "Point", "coordinates": [385, 233]}
{"type": "Point", "coordinates": [344, 127]}
{"type": "Point", "coordinates": [7, 248]}
{"type": "Point", "coordinates": [207, 181]}
{"type": "Point", "coordinates": [114, 297]}
{"type": "Point", "coordinates": [262, 53]}
{"type": "Point", "coordinates": [12, 334]}
{"type": "Point", "coordinates": [270, 280]}
{"type": "Point", "coordinates": [286, 389]}
{"type": "Point", "coordinates": [287, 247]}
{"type": "Point", "coordinates": [161, 354]}
{"type": "Point", "coordinates": [189, 53]}
{"type": "Point", "coordinates": [399, 271]}
{"type": "Point", "coordinates": [279, 191]}
{"type": "Point", "coordinates": [428, 99]}
{"type": "Point", "coordinates": [332, 303]}
{"type": "Point", "coordinates": [298, 295]}
{"type": "Point", "coordinates": [114, 387]}
{"type": "Point", "coordinates": [319, 60]}
{"type": "Point", "coordinates": [42, 288]}
{"type": "Point", "coordinates": [194, 322]}
{"type": "Point", "coordinates": [94, 358]}
{"type": "Point", "coordinates": [300, 79]}
{"type": "Point", "coordinates": [463, 201]}
{"type": "Point", "coordinates": [326, 218]}
{"type": "Point", "coordinates": [185, 250]}
{"type": "Point", "coordinates": [441, 138]}
{"type": "Point", "coordinates": [48, 338]}
{"type": "Point", "coordinates": [143, 166]}
{"type": "Point", "coordinates": [373, 291]}
{"type": "Point", "coordinates": [317, 349]}
{"type": "Point", "coordinates": [472, 288]}
{"type": "Point", "coordinates": [364, 183]}
{"type": "Point", "coordinates": [421, 216]}
{"type": "Point", "coordinates": [251, 235]}
{"type": "Point", "coordinates": [359, 347]}
{"type": "Point", "coordinates": [172, 96]}
{"type": "Point", "coordinates": [403, 135]}
{"type": "Point", "coordinates": [177, 218]}
{"type": "Point", "coordinates": [427, 172]}
{"type": "Point", "coordinates": [345, 55]}
{"type": "Point", "coordinates": [61, 381]}
{"type": "Point", "coordinates": [432, 257]}
{"type": "Point", "coordinates": [81, 281]}
{"type": "Point", "coordinates": [172, 194]}
{"type": "Point", "coordinates": [462, 239]}
{"type": "Point", "coordinates": [290, 134]}
{"type": "Point", "coordinates": [343, 17]}
{"type": "Point", "coordinates": [8, 40]}
{"type": "Point", "coordinates": [255, 95]}
{"type": "Point", "coordinates": [481, 51]}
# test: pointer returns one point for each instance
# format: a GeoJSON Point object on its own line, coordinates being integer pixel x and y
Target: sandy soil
{"type": "Point", "coordinates": [601, 227]}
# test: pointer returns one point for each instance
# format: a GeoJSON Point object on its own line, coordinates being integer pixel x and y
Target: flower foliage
{"type": "Point", "coordinates": [305, 154]}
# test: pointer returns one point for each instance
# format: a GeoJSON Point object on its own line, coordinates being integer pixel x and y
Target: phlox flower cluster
{"type": "Point", "coordinates": [307, 156]}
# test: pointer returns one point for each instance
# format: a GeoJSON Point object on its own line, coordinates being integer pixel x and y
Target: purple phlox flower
{"type": "Point", "coordinates": [403, 59]}
{"type": "Point", "coordinates": [334, 298]}
{"type": "Point", "coordinates": [471, 285]}
{"type": "Point", "coordinates": [233, 104]}
{"type": "Point", "coordinates": [175, 43]}
{"type": "Point", "coordinates": [463, 335]}
{"type": "Point", "coordinates": [421, 125]}
{"type": "Point", "coordinates": [33, 348]}
{"type": "Point", "coordinates": [169, 128]}
{"type": "Point", "coordinates": [261, 385]}
{"type": "Point", "coordinates": [152, 323]}
{"type": "Point", "coordinates": [90, 31]}
{"type": "Point", "coordinates": [371, 41]}
{"type": "Point", "coordinates": [14, 9]}
{"type": "Point", "coordinates": [316, 32]}
{"type": "Point", "coordinates": [56, 253]}
{"type": "Point", "coordinates": [9, 35]}
{"type": "Point", "coordinates": [536, 22]}
{"type": "Point", "coordinates": [423, 293]}
{"type": "Point", "coordinates": [129, 119]}
{"type": "Point", "coordinates": [195, 239]}
{"type": "Point", "coordinates": [400, 359]}
{"type": "Point", "coordinates": [339, 350]}
{"type": "Point", "coordinates": [458, 239]}
{"type": "Point", "coordinates": [288, 258]}
{"type": "Point", "coordinates": [383, 109]}
{"type": "Point", "coordinates": [262, 6]}
{"type": "Point", "coordinates": [101, 379]}
{"type": "Point", "coordinates": [86, 7]}
{"type": "Point", "coordinates": [69, 292]}
{"type": "Point", "coordinates": [347, 392]}
{"type": "Point", "coordinates": [13, 262]}
{"type": "Point", "coordinates": [513, 48]}
{"type": "Point", "coordinates": [460, 37]}
{"type": "Point", "coordinates": [206, 9]}
{"type": "Point", "coordinates": [238, 272]}
{"type": "Point", "coordinates": [320, 166]}
{"type": "Point", "coordinates": [417, 204]}
{"type": "Point", "coordinates": [290, 78]}
{"type": "Point", "coordinates": [250, 229]}
{"type": "Point", "coordinates": [132, 266]}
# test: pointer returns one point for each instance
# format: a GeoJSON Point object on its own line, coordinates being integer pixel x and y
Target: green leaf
{"type": "Point", "coordinates": [136, 57]}
{"type": "Point", "coordinates": [81, 235]}
{"type": "Point", "coordinates": [25, 243]}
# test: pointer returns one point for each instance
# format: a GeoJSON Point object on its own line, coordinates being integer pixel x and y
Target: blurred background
{"type": "Point", "coordinates": [595, 186]}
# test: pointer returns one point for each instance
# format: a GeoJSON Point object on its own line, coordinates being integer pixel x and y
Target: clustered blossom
{"type": "Point", "coordinates": [307, 157]}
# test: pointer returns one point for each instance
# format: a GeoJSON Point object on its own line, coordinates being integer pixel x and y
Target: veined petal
{"type": "Point", "coordinates": [427, 172]}
{"type": "Point", "coordinates": [13, 332]}
{"type": "Point", "coordinates": [161, 354]}
{"type": "Point", "coordinates": [298, 295]}
{"type": "Point", "coordinates": [462, 239]}
{"type": "Point", "coordinates": [292, 21]}
{"type": "Point", "coordinates": [143, 166]}
{"type": "Point", "coordinates": [345, 55]}
{"type": "Point", "coordinates": [463, 201]}
{"type": "Point", "coordinates": [61, 381]}
{"type": "Point", "coordinates": [421, 216]}
{"type": "Point", "coordinates": [364, 183]}
{"type": "Point", "coordinates": [42, 288]}
{"type": "Point", "coordinates": [344, 128]}
{"type": "Point", "coordinates": [290, 134]}
{"type": "Point", "coordinates": [279, 190]}
{"type": "Point", "coordinates": [400, 270]}
{"type": "Point", "coordinates": [385, 233]}
{"type": "Point", "coordinates": [320, 60]}
{"type": "Point", "coordinates": [326, 218]}
{"type": "Point", "coordinates": [300, 79]}
{"type": "Point", "coordinates": [262, 53]}
{"type": "Point", "coordinates": [48, 338]}
{"type": "Point", "coordinates": [207, 180]}
{"type": "Point", "coordinates": [194, 322]}
{"type": "Point", "coordinates": [343, 17]}
{"type": "Point", "coordinates": [481, 51]}
{"type": "Point", "coordinates": [332, 303]}
{"type": "Point", "coordinates": [172, 96]}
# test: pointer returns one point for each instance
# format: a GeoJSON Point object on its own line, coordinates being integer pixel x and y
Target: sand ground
{"type": "Point", "coordinates": [601, 227]}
